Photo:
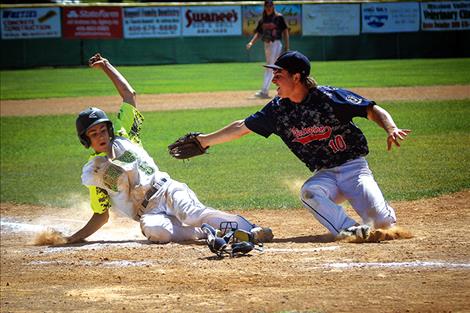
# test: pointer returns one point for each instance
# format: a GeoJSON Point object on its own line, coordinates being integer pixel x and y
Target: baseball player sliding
{"type": "Point", "coordinates": [271, 29]}
{"type": "Point", "coordinates": [315, 122]}
{"type": "Point", "coordinates": [121, 174]}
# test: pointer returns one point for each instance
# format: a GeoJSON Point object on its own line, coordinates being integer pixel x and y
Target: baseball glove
{"type": "Point", "coordinates": [186, 147]}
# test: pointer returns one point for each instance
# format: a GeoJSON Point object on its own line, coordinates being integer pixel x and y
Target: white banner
{"type": "Point", "coordinates": [212, 21]}
{"type": "Point", "coordinates": [445, 15]}
{"type": "Point", "coordinates": [390, 17]}
{"type": "Point", "coordinates": [330, 19]}
{"type": "Point", "coordinates": [152, 22]}
{"type": "Point", "coordinates": [19, 23]}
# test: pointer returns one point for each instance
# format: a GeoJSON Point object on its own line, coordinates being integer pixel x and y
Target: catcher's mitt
{"type": "Point", "coordinates": [186, 147]}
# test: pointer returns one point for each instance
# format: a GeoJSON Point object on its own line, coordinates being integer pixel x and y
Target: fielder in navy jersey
{"type": "Point", "coordinates": [315, 122]}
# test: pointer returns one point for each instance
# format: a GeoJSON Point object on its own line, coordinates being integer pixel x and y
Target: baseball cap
{"type": "Point", "coordinates": [268, 2]}
{"type": "Point", "coordinates": [293, 62]}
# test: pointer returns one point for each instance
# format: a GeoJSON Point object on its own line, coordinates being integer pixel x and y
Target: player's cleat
{"type": "Point", "coordinates": [262, 95]}
{"type": "Point", "coordinates": [262, 234]}
{"type": "Point", "coordinates": [361, 232]}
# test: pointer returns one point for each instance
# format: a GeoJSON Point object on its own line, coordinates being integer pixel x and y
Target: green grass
{"type": "Point", "coordinates": [41, 157]}
{"type": "Point", "coordinates": [73, 82]}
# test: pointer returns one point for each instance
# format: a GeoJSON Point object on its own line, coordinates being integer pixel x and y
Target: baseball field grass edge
{"type": "Point", "coordinates": [83, 81]}
{"type": "Point", "coordinates": [41, 157]}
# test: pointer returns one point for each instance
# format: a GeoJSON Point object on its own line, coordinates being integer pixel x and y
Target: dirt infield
{"type": "Point", "coordinates": [302, 270]}
{"type": "Point", "coordinates": [212, 100]}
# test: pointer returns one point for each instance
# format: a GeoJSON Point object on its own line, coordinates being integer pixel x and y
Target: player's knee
{"type": "Point", "coordinates": [156, 234]}
{"type": "Point", "coordinates": [308, 192]}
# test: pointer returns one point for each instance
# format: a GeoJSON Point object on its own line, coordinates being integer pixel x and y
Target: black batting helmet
{"type": "Point", "coordinates": [89, 118]}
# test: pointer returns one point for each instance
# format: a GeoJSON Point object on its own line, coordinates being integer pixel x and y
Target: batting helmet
{"type": "Point", "coordinates": [89, 118]}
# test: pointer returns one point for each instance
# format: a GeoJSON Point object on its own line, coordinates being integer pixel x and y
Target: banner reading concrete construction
{"type": "Point", "coordinates": [22, 23]}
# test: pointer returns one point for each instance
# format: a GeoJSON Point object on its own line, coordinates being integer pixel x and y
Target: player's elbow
{"type": "Point", "coordinates": [240, 129]}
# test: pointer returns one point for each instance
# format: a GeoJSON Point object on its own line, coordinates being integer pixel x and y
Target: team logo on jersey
{"type": "Point", "coordinates": [353, 99]}
{"type": "Point", "coordinates": [309, 134]}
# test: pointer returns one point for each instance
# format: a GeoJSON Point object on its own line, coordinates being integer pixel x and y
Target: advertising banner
{"type": "Point", "coordinates": [330, 19]}
{"type": "Point", "coordinates": [152, 22]}
{"type": "Point", "coordinates": [291, 12]}
{"type": "Point", "coordinates": [19, 23]}
{"type": "Point", "coordinates": [212, 21]}
{"type": "Point", "coordinates": [92, 22]}
{"type": "Point", "coordinates": [390, 17]}
{"type": "Point", "coordinates": [453, 15]}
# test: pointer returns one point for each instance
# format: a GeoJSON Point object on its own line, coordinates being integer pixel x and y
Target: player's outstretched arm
{"type": "Point", "coordinates": [96, 222]}
{"type": "Point", "coordinates": [126, 91]}
{"type": "Point", "coordinates": [230, 132]}
{"type": "Point", "coordinates": [385, 120]}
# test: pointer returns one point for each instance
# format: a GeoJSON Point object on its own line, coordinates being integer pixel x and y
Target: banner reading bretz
{"type": "Point", "coordinates": [92, 22]}
{"type": "Point", "coordinates": [330, 19]}
{"type": "Point", "coordinates": [445, 15]}
{"type": "Point", "coordinates": [390, 17]}
{"type": "Point", "coordinates": [152, 22]}
{"type": "Point", "coordinates": [212, 21]}
{"type": "Point", "coordinates": [19, 23]}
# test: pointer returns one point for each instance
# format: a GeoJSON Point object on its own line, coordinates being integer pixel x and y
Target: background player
{"type": "Point", "coordinates": [121, 174]}
{"type": "Point", "coordinates": [315, 122]}
{"type": "Point", "coordinates": [271, 29]}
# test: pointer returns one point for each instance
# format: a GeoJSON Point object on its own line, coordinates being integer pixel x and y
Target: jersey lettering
{"type": "Point", "coordinates": [309, 134]}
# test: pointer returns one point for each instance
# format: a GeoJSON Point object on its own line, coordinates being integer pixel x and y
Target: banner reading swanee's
{"type": "Point", "coordinates": [212, 21]}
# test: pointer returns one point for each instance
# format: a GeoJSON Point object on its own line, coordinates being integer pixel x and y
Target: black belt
{"type": "Point", "coordinates": [153, 190]}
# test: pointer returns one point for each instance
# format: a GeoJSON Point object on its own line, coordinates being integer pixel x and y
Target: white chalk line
{"type": "Point", "coordinates": [120, 263]}
{"type": "Point", "coordinates": [300, 250]}
{"type": "Point", "coordinates": [413, 264]}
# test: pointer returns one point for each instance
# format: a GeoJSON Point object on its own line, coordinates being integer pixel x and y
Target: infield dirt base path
{"type": "Point", "coordinates": [303, 270]}
{"type": "Point", "coordinates": [213, 100]}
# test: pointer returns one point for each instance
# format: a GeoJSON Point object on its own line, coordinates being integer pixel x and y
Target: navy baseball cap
{"type": "Point", "coordinates": [293, 62]}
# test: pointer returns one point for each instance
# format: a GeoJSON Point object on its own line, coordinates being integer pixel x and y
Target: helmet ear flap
{"type": "Point", "coordinates": [84, 140]}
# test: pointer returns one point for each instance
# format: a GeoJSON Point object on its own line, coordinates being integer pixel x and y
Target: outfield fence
{"type": "Point", "coordinates": [171, 33]}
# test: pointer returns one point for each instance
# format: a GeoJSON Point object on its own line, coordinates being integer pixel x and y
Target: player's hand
{"type": "Point", "coordinates": [249, 45]}
{"type": "Point", "coordinates": [396, 136]}
{"type": "Point", "coordinates": [97, 61]}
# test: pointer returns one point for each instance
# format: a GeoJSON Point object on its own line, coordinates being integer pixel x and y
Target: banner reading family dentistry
{"type": "Point", "coordinates": [390, 17]}
{"type": "Point", "coordinates": [152, 22]}
{"type": "Point", "coordinates": [92, 22]}
{"type": "Point", "coordinates": [453, 15]}
{"type": "Point", "coordinates": [18, 23]}
{"type": "Point", "coordinates": [330, 19]}
{"type": "Point", "coordinates": [212, 21]}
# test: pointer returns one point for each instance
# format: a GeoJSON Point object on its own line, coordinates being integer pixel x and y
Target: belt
{"type": "Point", "coordinates": [153, 190]}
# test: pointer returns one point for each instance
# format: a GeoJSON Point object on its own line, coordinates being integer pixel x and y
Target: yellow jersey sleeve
{"type": "Point", "coordinates": [99, 200]}
{"type": "Point", "coordinates": [129, 123]}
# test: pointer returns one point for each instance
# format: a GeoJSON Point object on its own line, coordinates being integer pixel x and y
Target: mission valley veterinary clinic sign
{"type": "Point", "coordinates": [453, 15]}
{"type": "Point", "coordinates": [390, 17]}
{"type": "Point", "coordinates": [152, 22]}
{"type": "Point", "coordinates": [92, 22]}
{"type": "Point", "coordinates": [19, 23]}
{"type": "Point", "coordinates": [211, 21]}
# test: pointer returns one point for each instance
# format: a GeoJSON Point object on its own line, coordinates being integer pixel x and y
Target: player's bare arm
{"type": "Point", "coordinates": [384, 119]}
{"type": "Point", "coordinates": [252, 41]}
{"type": "Point", "coordinates": [126, 91]}
{"type": "Point", "coordinates": [96, 222]}
{"type": "Point", "coordinates": [230, 132]}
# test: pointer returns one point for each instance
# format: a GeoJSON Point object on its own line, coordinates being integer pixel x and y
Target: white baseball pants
{"type": "Point", "coordinates": [352, 181]}
{"type": "Point", "coordinates": [176, 215]}
{"type": "Point", "coordinates": [272, 50]}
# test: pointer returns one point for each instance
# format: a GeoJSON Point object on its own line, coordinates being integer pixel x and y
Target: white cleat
{"type": "Point", "coordinates": [262, 95]}
{"type": "Point", "coordinates": [361, 232]}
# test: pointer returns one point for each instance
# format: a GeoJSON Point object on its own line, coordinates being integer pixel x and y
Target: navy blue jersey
{"type": "Point", "coordinates": [319, 131]}
{"type": "Point", "coordinates": [270, 27]}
